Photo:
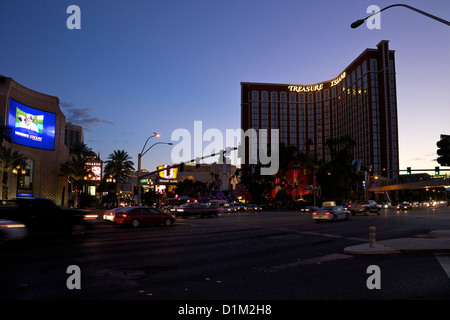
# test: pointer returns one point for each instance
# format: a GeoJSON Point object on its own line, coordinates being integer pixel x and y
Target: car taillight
{"type": "Point", "coordinates": [314, 212]}
{"type": "Point", "coordinates": [123, 215]}
{"type": "Point", "coordinates": [327, 213]}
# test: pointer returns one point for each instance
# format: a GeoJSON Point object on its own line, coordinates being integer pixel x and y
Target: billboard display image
{"type": "Point", "coordinates": [31, 127]}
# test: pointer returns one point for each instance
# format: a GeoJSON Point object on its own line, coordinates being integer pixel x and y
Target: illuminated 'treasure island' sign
{"type": "Point", "coordinates": [317, 87]}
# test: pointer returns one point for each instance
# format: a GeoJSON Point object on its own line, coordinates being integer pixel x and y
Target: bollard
{"type": "Point", "coordinates": [372, 237]}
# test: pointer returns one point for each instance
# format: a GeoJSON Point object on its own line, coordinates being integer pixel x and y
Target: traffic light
{"type": "Point", "coordinates": [436, 171]}
{"type": "Point", "coordinates": [408, 171]}
{"type": "Point", "coordinates": [444, 150]}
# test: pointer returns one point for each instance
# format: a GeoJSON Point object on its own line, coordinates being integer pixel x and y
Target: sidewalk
{"type": "Point", "coordinates": [435, 241]}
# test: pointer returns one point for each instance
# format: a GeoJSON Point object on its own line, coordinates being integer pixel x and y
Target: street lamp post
{"type": "Point", "coordinates": [140, 155]}
{"type": "Point", "coordinates": [359, 22]}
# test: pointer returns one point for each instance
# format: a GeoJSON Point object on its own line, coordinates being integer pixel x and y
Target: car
{"type": "Point", "coordinates": [253, 207]}
{"type": "Point", "coordinates": [239, 206]}
{"type": "Point", "coordinates": [226, 208]}
{"type": "Point", "coordinates": [193, 209]}
{"type": "Point", "coordinates": [12, 230]}
{"type": "Point", "coordinates": [43, 215]}
{"type": "Point", "coordinates": [405, 205]}
{"type": "Point", "coordinates": [109, 214]}
{"type": "Point", "coordinates": [364, 206]}
{"type": "Point", "coordinates": [137, 216]}
{"type": "Point", "coordinates": [309, 209]}
{"type": "Point", "coordinates": [330, 211]}
{"type": "Point", "coordinates": [386, 205]}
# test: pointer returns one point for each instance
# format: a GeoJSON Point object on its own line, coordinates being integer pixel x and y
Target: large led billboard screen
{"type": "Point", "coordinates": [31, 127]}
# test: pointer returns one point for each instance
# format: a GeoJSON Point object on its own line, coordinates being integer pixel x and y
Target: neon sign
{"type": "Point", "coordinates": [316, 87]}
{"type": "Point", "coordinates": [335, 81]}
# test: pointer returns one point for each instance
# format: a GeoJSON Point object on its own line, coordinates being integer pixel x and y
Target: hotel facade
{"type": "Point", "coordinates": [42, 146]}
{"type": "Point", "coordinates": [359, 102]}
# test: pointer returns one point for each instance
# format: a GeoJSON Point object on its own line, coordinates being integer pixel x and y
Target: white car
{"type": "Point", "coordinates": [12, 230]}
{"type": "Point", "coordinates": [332, 213]}
{"type": "Point", "coordinates": [226, 208]}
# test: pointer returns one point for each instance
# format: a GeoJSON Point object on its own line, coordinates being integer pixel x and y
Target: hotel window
{"type": "Point", "coordinates": [273, 96]}
{"type": "Point", "coordinates": [292, 97]}
{"type": "Point", "coordinates": [283, 117]}
{"type": "Point", "coordinates": [301, 97]}
{"type": "Point", "coordinates": [264, 96]}
{"type": "Point", "coordinates": [274, 110]}
{"type": "Point", "coordinates": [373, 65]}
{"type": "Point", "coordinates": [255, 110]}
{"type": "Point", "coordinates": [264, 109]}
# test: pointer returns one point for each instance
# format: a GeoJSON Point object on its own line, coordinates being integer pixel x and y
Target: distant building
{"type": "Point", "coordinates": [73, 134]}
{"type": "Point", "coordinates": [360, 102]}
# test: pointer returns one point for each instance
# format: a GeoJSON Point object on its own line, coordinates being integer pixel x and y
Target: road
{"type": "Point", "coordinates": [246, 256]}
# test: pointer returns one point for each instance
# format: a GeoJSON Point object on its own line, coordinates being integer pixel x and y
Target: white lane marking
{"type": "Point", "coordinates": [444, 261]}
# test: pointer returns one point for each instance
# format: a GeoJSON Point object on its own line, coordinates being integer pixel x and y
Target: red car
{"type": "Point", "coordinates": [137, 216]}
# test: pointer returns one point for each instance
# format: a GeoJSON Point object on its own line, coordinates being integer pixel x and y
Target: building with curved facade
{"type": "Point", "coordinates": [37, 130]}
{"type": "Point", "coordinates": [359, 102]}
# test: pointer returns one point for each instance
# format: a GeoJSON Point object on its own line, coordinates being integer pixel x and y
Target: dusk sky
{"type": "Point", "coordinates": [136, 67]}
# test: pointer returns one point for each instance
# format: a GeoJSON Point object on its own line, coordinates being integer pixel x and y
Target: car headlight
{"type": "Point", "coordinates": [180, 210]}
{"type": "Point", "coordinates": [14, 225]}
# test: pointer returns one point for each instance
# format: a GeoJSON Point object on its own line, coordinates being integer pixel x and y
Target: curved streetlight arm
{"type": "Point", "coordinates": [142, 153]}
{"type": "Point", "coordinates": [359, 22]}
{"type": "Point", "coordinates": [154, 135]}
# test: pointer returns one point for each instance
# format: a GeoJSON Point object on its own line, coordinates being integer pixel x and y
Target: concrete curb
{"type": "Point", "coordinates": [435, 241]}
{"type": "Point", "coordinates": [366, 249]}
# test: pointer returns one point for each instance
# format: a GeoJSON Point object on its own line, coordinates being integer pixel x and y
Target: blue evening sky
{"type": "Point", "coordinates": [136, 67]}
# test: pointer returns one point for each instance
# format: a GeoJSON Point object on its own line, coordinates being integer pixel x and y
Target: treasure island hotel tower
{"type": "Point", "coordinates": [359, 102]}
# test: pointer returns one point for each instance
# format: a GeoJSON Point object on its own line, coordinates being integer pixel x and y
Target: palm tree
{"type": "Point", "coordinates": [5, 132]}
{"type": "Point", "coordinates": [119, 165]}
{"type": "Point", "coordinates": [8, 160]}
{"type": "Point", "coordinates": [75, 168]}
{"type": "Point", "coordinates": [80, 149]}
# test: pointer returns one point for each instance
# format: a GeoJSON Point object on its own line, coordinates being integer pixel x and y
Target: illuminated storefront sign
{"type": "Point", "coordinates": [94, 170]}
{"type": "Point", "coordinates": [169, 174]}
{"type": "Point", "coordinates": [316, 87]}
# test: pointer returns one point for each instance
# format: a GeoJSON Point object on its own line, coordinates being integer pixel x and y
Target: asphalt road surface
{"type": "Point", "coordinates": [236, 257]}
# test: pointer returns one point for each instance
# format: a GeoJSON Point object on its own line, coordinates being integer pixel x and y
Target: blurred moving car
{"type": "Point", "coordinates": [12, 230]}
{"type": "Point", "coordinates": [405, 205]}
{"type": "Point", "coordinates": [42, 215]}
{"type": "Point", "coordinates": [253, 207]}
{"type": "Point", "coordinates": [364, 206]}
{"type": "Point", "coordinates": [109, 214]}
{"type": "Point", "coordinates": [386, 205]}
{"type": "Point", "coordinates": [330, 211]}
{"type": "Point", "coordinates": [138, 216]}
{"type": "Point", "coordinates": [309, 209]}
{"type": "Point", "coordinates": [192, 209]}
